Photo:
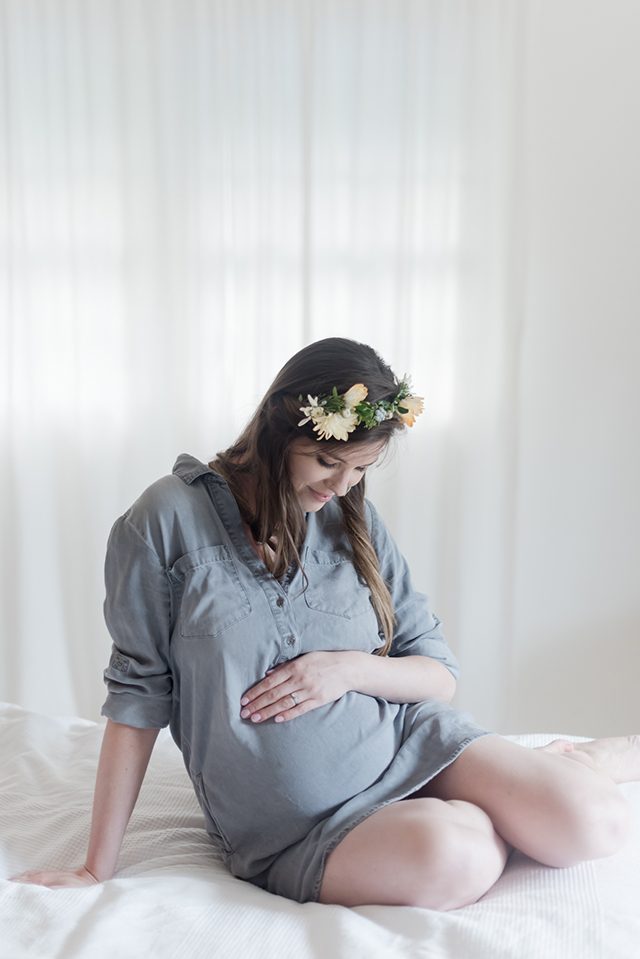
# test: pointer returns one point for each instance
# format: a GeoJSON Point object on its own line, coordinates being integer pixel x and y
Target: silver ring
{"type": "Point", "coordinates": [294, 698]}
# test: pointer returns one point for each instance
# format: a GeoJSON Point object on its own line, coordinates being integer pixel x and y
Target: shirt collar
{"type": "Point", "coordinates": [188, 468]}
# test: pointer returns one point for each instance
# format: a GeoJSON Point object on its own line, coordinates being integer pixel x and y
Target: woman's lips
{"type": "Point", "coordinates": [321, 496]}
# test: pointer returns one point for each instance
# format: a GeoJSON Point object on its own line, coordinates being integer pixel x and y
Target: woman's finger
{"type": "Point", "coordinates": [55, 877]}
{"type": "Point", "coordinates": [302, 707]}
{"type": "Point", "coordinates": [264, 686]}
{"type": "Point", "coordinates": [272, 703]}
{"type": "Point", "coordinates": [268, 699]}
{"type": "Point", "coordinates": [283, 707]}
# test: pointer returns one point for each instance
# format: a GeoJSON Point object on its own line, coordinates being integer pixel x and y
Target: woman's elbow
{"type": "Point", "coordinates": [449, 684]}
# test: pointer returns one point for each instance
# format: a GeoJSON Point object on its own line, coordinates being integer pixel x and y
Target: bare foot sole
{"type": "Point", "coordinates": [617, 756]}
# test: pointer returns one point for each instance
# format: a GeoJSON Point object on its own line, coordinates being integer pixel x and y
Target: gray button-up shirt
{"type": "Point", "coordinates": [196, 618]}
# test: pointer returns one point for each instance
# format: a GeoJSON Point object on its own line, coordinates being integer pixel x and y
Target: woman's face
{"type": "Point", "coordinates": [317, 475]}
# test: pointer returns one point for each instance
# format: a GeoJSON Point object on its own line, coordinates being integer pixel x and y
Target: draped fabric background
{"type": "Point", "coordinates": [191, 190]}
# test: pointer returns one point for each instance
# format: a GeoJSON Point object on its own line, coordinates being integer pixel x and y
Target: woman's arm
{"type": "Point", "coordinates": [399, 679]}
{"type": "Point", "coordinates": [124, 757]}
{"type": "Point", "coordinates": [322, 676]}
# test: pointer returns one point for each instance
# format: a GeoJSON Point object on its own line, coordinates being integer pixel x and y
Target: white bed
{"type": "Point", "coordinates": [172, 896]}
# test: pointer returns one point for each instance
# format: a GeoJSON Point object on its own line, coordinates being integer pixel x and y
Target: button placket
{"type": "Point", "coordinates": [285, 623]}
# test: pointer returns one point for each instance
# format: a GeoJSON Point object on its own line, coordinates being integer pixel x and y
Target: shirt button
{"type": "Point", "coordinates": [290, 640]}
{"type": "Point", "coordinates": [280, 601]}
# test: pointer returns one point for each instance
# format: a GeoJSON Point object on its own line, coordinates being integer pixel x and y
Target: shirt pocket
{"type": "Point", "coordinates": [338, 603]}
{"type": "Point", "coordinates": [212, 596]}
{"type": "Point", "coordinates": [334, 585]}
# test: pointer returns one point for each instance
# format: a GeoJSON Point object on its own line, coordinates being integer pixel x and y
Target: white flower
{"type": "Point", "coordinates": [414, 406]}
{"type": "Point", "coordinates": [311, 412]}
{"type": "Point", "coordinates": [336, 425]}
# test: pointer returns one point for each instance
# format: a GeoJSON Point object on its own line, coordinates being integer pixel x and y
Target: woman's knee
{"type": "Point", "coordinates": [455, 862]}
{"type": "Point", "coordinates": [427, 853]}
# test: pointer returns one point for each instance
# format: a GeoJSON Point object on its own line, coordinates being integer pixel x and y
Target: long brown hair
{"type": "Point", "coordinates": [261, 454]}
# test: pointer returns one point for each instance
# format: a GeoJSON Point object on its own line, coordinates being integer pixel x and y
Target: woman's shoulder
{"type": "Point", "coordinates": [171, 506]}
{"type": "Point", "coordinates": [161, 499]}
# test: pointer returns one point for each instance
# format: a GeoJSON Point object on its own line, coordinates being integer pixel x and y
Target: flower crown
{"type": "Point", "coordinates": [335, 415]}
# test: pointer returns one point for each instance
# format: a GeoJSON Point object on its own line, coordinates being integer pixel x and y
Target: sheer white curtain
{"type": "Point", "coordinates": [192, 190]}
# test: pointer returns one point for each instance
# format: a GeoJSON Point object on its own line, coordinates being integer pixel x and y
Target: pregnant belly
{"type": "Point", "coordinates": [319, 760]}
{"type": "Point", "coordinates": [279, 779]}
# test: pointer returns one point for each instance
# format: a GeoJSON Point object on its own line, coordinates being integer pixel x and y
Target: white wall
{"type": "Point", "coordinates": [576, 655]}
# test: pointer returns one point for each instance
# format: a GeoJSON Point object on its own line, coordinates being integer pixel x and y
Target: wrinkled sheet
{"type": "Point", "coordinates": [173, 897]}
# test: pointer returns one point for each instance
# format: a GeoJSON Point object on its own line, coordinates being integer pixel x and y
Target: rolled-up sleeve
{"type": "Point", "coordinates": [417, 631]}
{"type": "Point", "coordinates": [137, 611]}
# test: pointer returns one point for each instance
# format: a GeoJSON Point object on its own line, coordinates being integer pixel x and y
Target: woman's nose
{"type": "Point", "coordinates": [340, 485]}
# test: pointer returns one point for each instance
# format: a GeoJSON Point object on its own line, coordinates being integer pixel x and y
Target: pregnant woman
{"type": "Point", "coordinates": [259, 606]}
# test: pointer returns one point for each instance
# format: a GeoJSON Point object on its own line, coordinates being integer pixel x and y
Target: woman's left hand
{"type": "Point", "coordinates": [314, 679]}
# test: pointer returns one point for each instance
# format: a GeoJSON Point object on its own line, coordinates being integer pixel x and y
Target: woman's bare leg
{"type": "Point", "coordinates": [431, 853]}
{"type": "Point", "coordinates": [444, 849]}
{"type": "Point", "coordinates": [558, 804]}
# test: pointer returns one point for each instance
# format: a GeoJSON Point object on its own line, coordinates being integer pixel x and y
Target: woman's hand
{"type": "Point", "coordinates": [314, 679]}
{"type": "Point", "coordinates": [57, 877]}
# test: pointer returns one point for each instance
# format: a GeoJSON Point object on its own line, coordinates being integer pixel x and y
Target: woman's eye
{"type": "Point", "coordinates": [330, 466]}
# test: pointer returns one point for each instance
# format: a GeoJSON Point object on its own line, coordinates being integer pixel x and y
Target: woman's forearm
{"type": "Point", "coordinates": [123, 762]}
{"type": "Point", "coordinates": [400, 679]}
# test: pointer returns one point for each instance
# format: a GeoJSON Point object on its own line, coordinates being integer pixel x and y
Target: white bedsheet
{"type": "Point", "coordinates": [172, 896]}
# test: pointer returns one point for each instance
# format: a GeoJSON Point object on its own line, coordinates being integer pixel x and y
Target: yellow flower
{"type": "Point", "coordinates": [336, 425]}
{"type": "Point", "coordinates": [414, 405]}
{"type": "Point", "coordinates": [356, 394]}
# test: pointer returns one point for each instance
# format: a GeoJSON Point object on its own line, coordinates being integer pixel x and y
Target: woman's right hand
{"type": "Point", "coordinates": [123, 761]}
{"type": "Point", "coordinates": [57, 877]}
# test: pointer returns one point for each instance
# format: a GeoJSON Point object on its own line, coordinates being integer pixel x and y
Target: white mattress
{"type": "Point", "coordinates": [173, 897]}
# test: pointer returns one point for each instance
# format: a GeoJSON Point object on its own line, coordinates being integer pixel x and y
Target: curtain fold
{"type": "Point", "coordinates": [191, 192]}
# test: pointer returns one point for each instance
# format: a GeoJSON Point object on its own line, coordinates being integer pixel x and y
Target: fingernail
{"type": "Point", "coordinates": [279, 719]}
{"type": "Point", "coordinates": [244, 713]}
{"type": "Point", "coordinates": [256, 717]}
{"type": "Point", "coordinates": [244, 701]}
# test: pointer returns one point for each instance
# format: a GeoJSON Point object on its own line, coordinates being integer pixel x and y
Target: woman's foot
{"type": "Point", "coordinates": [617, 757]}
